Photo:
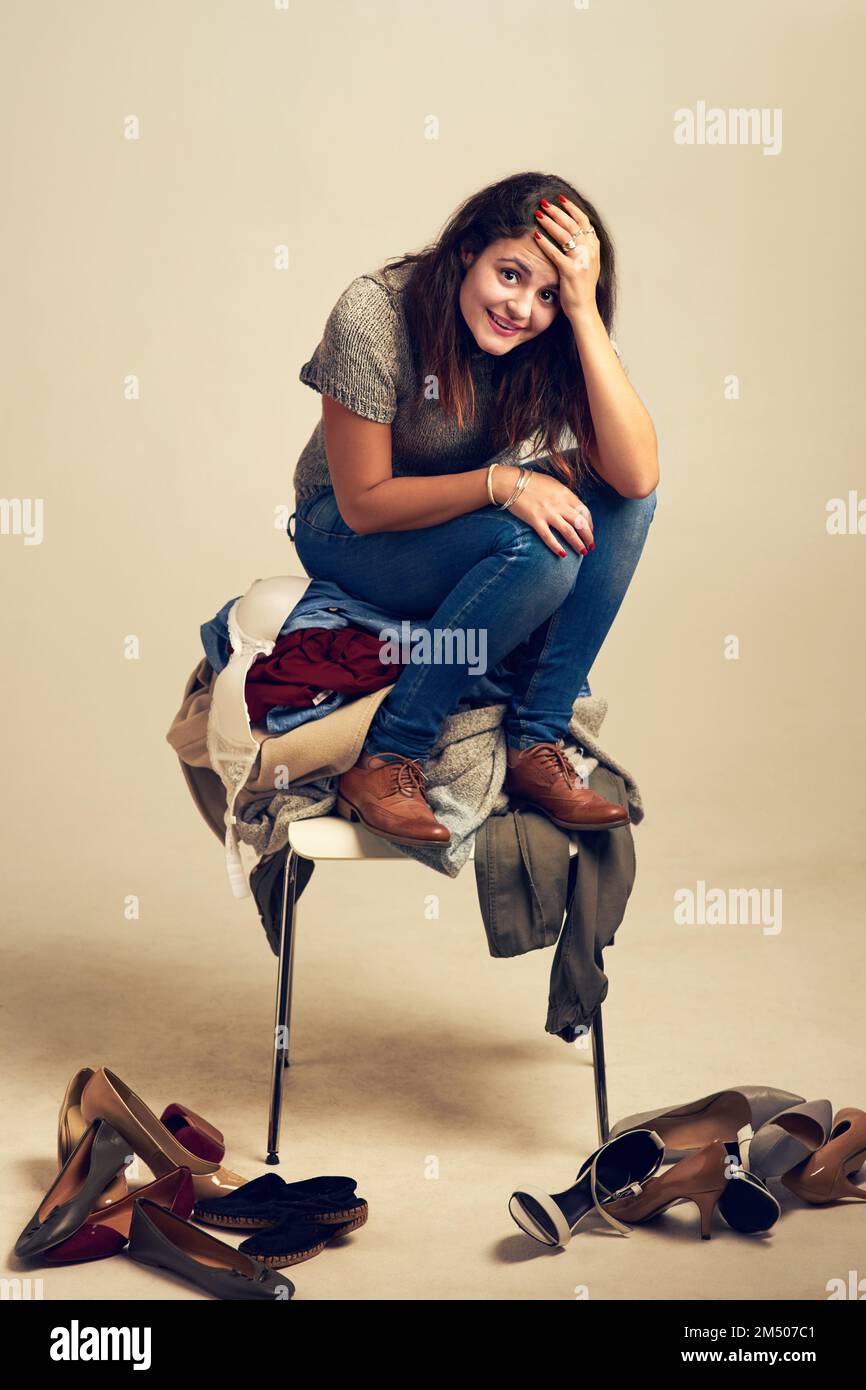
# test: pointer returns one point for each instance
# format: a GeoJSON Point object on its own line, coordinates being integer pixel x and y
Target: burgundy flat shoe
{"type": "Point", "coordinates": [106, 1096]}
{"type": "Point", "coordinates": [106, 1230]}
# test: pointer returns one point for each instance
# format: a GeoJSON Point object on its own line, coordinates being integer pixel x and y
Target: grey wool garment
{"type": "Point", "coordinates": [365, 360]}
{"type": "Point", "coordinates": [465, 776]}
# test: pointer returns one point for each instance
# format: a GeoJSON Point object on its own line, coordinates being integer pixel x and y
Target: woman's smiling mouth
{"type": "Point", "coordinates": [502, 326]}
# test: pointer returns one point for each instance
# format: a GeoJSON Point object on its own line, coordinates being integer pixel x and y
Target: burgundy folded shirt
{"type": "Point", "coordinates": [314, 659]}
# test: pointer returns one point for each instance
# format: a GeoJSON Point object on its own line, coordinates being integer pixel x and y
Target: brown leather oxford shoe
{"type": "Point", "coordinates": [385, 791]}
{"type": "Point", "coordinates": [543, 777]}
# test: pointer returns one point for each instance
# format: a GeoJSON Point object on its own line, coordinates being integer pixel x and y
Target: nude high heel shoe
{"type": "Point", "coordinates": [825, 1176]}
{"type": "Point", "coordinates": [195, 1133]}
{"type": "Point", "coordinates": [107, 1097]}
{"type": "Point", "coordinates": [701, 1178]}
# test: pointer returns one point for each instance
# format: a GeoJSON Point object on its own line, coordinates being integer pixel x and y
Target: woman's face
{"type": "Point", "coordinates": [512, 281]}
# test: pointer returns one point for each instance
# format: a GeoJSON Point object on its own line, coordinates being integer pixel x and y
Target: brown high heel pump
{"type": "Point", "coordinates": [107, 1097]}
{"type": "Point", "coordinates": [701, 1178]}
{"type": "Point", "coordinates": [825, 1176]}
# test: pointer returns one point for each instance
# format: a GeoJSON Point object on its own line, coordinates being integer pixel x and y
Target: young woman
{"type": "Point", "coordinates": [482, 461]}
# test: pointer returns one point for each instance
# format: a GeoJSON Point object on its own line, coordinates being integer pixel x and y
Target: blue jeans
{"type": "Point", "coordinates": [487, 570]}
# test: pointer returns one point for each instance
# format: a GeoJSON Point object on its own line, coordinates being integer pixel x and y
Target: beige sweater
{"type": "Point", "coordinates": [364, 361]}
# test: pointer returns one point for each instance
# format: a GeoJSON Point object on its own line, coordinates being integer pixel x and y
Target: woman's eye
{"type": "Point", "coordinates": [507, 271]}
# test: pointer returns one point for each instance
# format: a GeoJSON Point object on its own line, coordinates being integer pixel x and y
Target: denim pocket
{"type": "Point", "coordinates": [310, 507]}
{"type": "Point", "coordinates": [321, 513]}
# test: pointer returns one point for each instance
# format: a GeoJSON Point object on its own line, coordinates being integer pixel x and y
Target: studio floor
{"type": "Point", "coordinates": [422, 1069]}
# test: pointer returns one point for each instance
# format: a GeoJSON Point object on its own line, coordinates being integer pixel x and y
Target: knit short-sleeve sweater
{"type": "Point", "coordinates": [365, 361]}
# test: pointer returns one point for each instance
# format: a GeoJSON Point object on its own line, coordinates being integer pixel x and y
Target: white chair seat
{"type": "Point", "coordinates": [334, 837]}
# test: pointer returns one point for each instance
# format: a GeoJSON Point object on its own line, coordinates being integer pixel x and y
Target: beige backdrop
{"type": "Point", "coordinates": [305, 127]}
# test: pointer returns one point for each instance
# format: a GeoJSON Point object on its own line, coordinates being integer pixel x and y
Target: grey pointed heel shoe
{"type": "Point", "coordinates": [790, 1137]}
{"type": "Point", "coordinates": [159, 1238]}
{"type": "Point", "coordinates": [686, 1128]}
{"type": "Point", "coordinates": [98, 1156]}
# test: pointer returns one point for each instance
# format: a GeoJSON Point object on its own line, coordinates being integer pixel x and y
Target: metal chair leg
{"type": "Point", "coordinates": [283, 1009]}
{"type": "Point", "coordinates": [283, 1020]}
{"type": "Point", "coordinates": [600, 1077]}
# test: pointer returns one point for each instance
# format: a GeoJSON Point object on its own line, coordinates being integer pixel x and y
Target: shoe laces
{"type": "Point", "coordinates": [551, 755]}
{"type": "Point", "coordinates": [407, 774]}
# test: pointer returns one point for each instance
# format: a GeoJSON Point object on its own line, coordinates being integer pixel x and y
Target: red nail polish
{"type": "Point", "coordinates": [561, 198]}
{"type": "Point", "coordinates": [592, 547]}
{"type": "Point", "coordinates": [562, 552]}
{"type": "Point", "coordinates": [537, 235]}
{"type": "Point", "coordinates": [545, 203]}
{"type": "Point", "coordinates": [539, 214]}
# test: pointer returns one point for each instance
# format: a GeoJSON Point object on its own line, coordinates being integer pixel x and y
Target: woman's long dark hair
{"type": "Point", "coordinates": [539, 388]}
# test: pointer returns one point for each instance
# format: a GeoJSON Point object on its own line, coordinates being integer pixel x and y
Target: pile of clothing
{"type": "Point", "coordinates": [311, 700]}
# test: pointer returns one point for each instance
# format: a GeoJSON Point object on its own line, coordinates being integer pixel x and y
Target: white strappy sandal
{"type": "Point", "coordinates": [614, 1170]}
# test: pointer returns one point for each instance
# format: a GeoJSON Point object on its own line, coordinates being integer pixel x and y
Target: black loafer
{"type": "Point", "coordinates": [159, 1238]}
{"type": "Point", "coordinates": [268, 1201]}
{"type": "Point", "coordinates": [296, 1239]}
{"type": "Point", "coordinates": [99, 1154]}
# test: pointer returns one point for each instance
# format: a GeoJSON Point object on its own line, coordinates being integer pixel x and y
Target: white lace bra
{"type": "Point", "coordinates": [254, 624]}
